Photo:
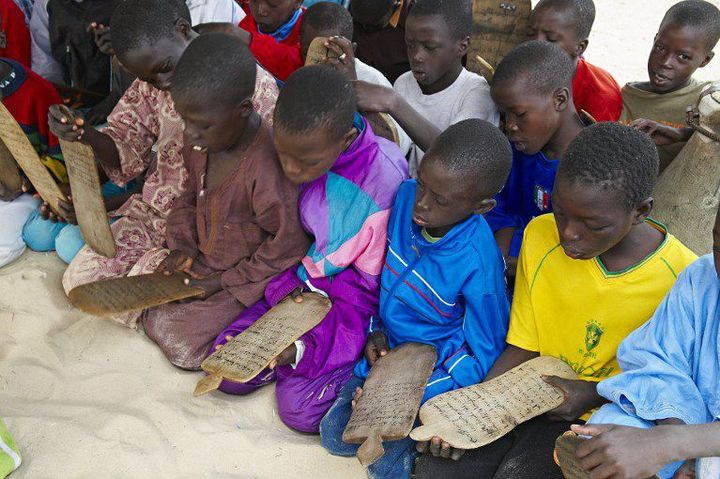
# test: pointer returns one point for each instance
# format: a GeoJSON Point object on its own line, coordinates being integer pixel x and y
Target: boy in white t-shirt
{"type": "Point", "coordinates": [438, 91]}
{"type": "Point", "coordinates": [331, 20]}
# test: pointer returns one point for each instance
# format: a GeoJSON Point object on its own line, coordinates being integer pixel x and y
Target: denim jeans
{"type": "Point", "coordinates": [399, 455]}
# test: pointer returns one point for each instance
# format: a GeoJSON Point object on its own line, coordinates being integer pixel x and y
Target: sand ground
{"type": "Point", "coordinates": [86, 398]}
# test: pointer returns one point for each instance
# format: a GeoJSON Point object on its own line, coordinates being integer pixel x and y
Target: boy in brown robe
{"type": "Point", "coordinates": [237, 225]}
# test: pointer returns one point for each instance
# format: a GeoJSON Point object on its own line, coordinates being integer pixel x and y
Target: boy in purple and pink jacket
{"type": "Point", "coordinates": [349, 179]}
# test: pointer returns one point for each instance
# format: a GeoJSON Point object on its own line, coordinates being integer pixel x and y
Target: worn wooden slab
{"type": "Point", "coordinates": [317, 52]}
{"type": "Point", "coordinates": [566, 458]}
{"type": "Point", "coordinates": [498, 27]}
{"type": "Point", "coordinates": [26, 157]}
{"type": "Point", "coordinates": [477, 415]}
{"type": "Point", "coordinates": [390, 401]}
{"type": "Point", "coordinates": [246, 355]}
{"type": "Point", "coordinates": [10, 180]}
{"type": "Point", "coordinates": [119, 295]}
{"type": "Point", "coordinates": [87, 197]}
{"type": "Point", "coordinates": [687, 193]}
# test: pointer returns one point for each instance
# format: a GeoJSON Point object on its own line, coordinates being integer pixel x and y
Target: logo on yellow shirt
{"type": "Point", "coordinates": [593, 334]}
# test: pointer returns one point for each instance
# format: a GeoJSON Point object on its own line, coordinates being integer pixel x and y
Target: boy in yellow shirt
{"type": "Point", "coordinates": [588, 275]}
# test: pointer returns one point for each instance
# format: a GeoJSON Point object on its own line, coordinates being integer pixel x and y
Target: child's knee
{"type": "Point", "coordinates": [68, 243]}
{"type": "Point", "coordinates": [332, 427]}
{"type": "Point", "coordinates": [611, 413]}
{"type": "Point", "coordinates": [39, 234]}
{"type": "Point", "coordinates": [299, 415]}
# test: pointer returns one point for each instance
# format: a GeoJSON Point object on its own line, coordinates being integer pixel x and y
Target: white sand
{"type": "Point", "coordinates": [85, 397]}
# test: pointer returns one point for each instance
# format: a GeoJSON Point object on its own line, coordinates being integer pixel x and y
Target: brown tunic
{"type": "Point", "coordinates": [247, 228]}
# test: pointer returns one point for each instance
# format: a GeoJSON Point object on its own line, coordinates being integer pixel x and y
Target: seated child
{"type": "Point", "coordinates": [236, 226]}
{"type": "Point", "coordinates": [85, 68]}
{"type": "Point", "coordinates": [379, 32]}
{"type": "Point", "coordinates": [670, 374]}
{"type": "Point", "coordinates": [568, 23]}
{"type": "Point", "coordinates": [438, 91]}
{"type": "Point", "coordinates": [330, 20]}
{"type": "Point", "coordinates": [348, 180]}
{"type": "Point", "coordinates": [685, 41]}
{"type": "Point", "coordinates": [14, 32]}
{"type": "Point", "coordinates": [589, 274]}
{"type": "Point", "coordinates": [148, 36]}
{"type": "Point", "coordinates": [532, 88]}
{"type": "Point", "coordinates": [27, 97]}
{"type": "Point", "coordinates": [456, 300]}
{"type": "Point", "coordinates": [274, 33]}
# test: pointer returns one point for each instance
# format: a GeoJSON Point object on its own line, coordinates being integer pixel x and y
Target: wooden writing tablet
{"type": "Point", "coordinates": [130, 293]}
{"type": "Point", "coordinates": [27, 158]}
{"type": "Point", "coordinates": [317, 52]}
{"type": "Point", "coordinates": [477, 415]}
{"type": "Point", "coordinates": [566, 458]}
{"type": "Point", "coordinates": [87, 198]}
{"type": "Point", "coordinates": [10, 180]}
{"type": "Point", "coordinates": [390, 401]}
{"type": "Point", "coordinates": [246, 355]}
{"type": "Point", "coordinates": [498, 27]}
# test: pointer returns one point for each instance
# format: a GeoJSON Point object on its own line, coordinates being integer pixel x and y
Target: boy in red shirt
{"type": "Point", "coordinates": [568, 23]}
{"type": "Point", "coordinates": [274, 27]}
{"type": "Point", "coordinates": [27, 97]}
{"type": "Point", "coordinates": [15, 36]}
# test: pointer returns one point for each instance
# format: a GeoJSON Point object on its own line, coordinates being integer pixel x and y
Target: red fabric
{"type": "Point", "coordinates": [596, 92]}
{"type": "Point", "coordinates": [29, 102]}
{"type": "Point", "coordinates": [16, 33]}
{"type": "Point", "coordinates": [279, 58]}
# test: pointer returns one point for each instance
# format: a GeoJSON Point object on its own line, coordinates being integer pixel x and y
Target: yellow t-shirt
{"type": "Point", "coordinates": [576, 310]}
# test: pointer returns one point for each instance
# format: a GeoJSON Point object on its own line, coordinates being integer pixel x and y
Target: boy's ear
{"type": "Point", "coordinates": [462, 46]}
{"type": "Point", "coordinates": [245, 108]}
{"type": "Point", "coordinates": [183, 28]}
{"type": "Point", "coordinates": [580, 47]}
{"type": "Point", "coordinates": [707, 59]}
{"type": "Point", "coordinates": [643, 210]}
{"type": "Point", "coordinates": [561, 97]}
{"type": "Point", "coordinates": [348, 138]}
{"type": "Point", "coordinates": [485, 206]}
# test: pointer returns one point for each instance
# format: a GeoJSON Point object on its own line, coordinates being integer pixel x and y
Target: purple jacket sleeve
{"type": "Point", "coordinates": [339, 340]}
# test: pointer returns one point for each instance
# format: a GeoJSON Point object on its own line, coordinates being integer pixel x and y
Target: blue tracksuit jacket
{"type": "Point", "coordinates": [450, 294]}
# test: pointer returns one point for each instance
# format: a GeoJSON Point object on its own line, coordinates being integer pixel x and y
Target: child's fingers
{"type": "Point", "coordinates": [457, 454]}
{"type": "Point", "coordinates": [422, 446]}
{"type": "Point", "coordinates": [435, 445]}
{"type": "Point", "coordinates": [591, 429]}
{"type": "Point", "coordinates": [445, 450]}
{"type": "Point", "coordinates": [229, 338]}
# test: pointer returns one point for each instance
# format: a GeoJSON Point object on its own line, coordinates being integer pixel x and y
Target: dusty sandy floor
{"type": "Point", "coordinates": [87, 398]}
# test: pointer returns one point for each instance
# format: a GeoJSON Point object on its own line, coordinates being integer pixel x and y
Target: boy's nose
{"type": "Point", "coordinates": [666, 61]}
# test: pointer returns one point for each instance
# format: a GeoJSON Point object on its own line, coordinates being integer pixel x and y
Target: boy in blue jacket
{"type": "Point", "coordinates": [443, 279]}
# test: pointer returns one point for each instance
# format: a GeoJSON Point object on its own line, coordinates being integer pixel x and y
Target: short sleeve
{"type": "Point", "coordinates": [523, 328]}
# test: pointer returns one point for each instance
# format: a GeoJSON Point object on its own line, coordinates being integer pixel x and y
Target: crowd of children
{"type": "Point", "coordinates": [509, 219]}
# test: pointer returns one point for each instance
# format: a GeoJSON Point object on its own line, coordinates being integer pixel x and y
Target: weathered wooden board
{"type": "Point", "coordinates": [477, 415]}
{"type": "Point", "coordinates": [246, 355]}
{"type": "Point", "coordinates": [87, 197]}
{"type": "Point", "coordinates": [566, 458]}
{"type": "Point", "coordinates": [687, 193]}
{"type": "Point", "coordinates": [129, 293]}
{"type": "Point", "coordinates": [390, 400]}
{"type": "Point", "coordinates": [498, 27]}
{"type": "Point", "coordinates": [27, 158]}
{"type": "Point", "coordinates": [317, 52]}
{"type": "Point", "coordinates": [10, 180]}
